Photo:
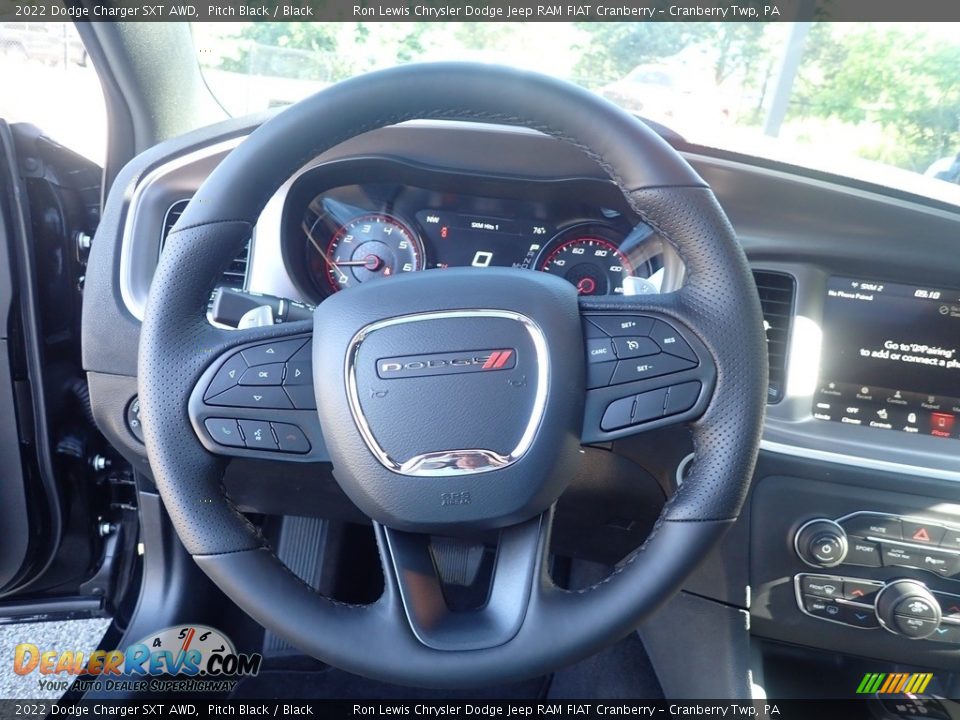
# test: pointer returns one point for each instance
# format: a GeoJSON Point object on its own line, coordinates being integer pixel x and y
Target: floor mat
{"type": "Point", "coordinates": [82, 635]}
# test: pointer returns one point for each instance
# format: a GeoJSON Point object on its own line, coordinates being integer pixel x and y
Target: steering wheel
{"type": "Point", "coordinates": [454, 402]}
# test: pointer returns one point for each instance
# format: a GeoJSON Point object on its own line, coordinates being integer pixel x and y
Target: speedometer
{"type": "Point", "coordinates": [594, 264]}
{"type": "Point", "coordinates": [368, 247]}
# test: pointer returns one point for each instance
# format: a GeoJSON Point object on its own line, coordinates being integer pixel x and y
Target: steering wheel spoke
{"type": "Point", "coordinates": [469, 592]}
{"type": "Point", "coordinates": [257, 398]}
{"type": "Point", "coordinates": [646, 368]}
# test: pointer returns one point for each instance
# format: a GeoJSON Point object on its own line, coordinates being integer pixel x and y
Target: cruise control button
{"type": "Point", "coordinates": [227, 376]}
{"type": "Point", "coordinates": [860, 591]}
{"type": "Point", "coordinates": [291, 438]}
{"type": "Point", "coordinates": [632, 347]}
{"type": "Point", "coordinates": [859, 617]}
{"type": "Point", "coordinates": [649, 405]}
{"type": "Point", "coordinates": [821, 585]}
{"type": "Point", "coordinates": [821, 607]}
{"type": "Point", "coordinates": [872, 525]}
{"type": "Point", "coordinates": [599, 374]}
{"type": "Point", "coordinates": [681, 398]}
{"type": "Point", "coordinates": [257, 435]}
{"type": "Point", "coordinates": [224, 431]}
{"type": "Point", "coordinates": [251, 396]}
{"type": "Point", "coordinates": [648, 367]}
{"type": "Point", "coordinates": [925, 533]}
{"type": "Point", "coordinates": [302, 396]}
{"type": "Point", "coordinates": [862, 552]}
{"type": "Point", "coordinates": [600, 350]}
{"type": "Point", "coordinates": [271, 374]}
{"type": "Point", "coordinates": [670, 341]}
{"type": "Point", "coordinates": [279, 351]}
{"type": "Point", "coordinates": [298, 373]}
{"type": "Point", "coordinates": [622, 325]}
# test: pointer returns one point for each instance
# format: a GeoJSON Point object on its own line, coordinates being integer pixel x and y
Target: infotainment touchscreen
{"type": "Point", "coordinates": [890, 357]}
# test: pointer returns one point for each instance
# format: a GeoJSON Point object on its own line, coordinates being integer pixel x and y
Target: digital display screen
{"type": "Point", "coordinates": [891, 357]}
{"type": "Point", "coordinates": [458, 240]}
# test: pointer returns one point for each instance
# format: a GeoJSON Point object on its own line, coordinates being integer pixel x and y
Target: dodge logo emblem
{"type": "Point", "coordinates": [447, 363]}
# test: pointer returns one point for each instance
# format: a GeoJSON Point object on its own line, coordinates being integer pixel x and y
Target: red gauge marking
{"type": "Point", "coordinates": [586, 286]}
{"type": "Point", "coordinates": [605, 244]}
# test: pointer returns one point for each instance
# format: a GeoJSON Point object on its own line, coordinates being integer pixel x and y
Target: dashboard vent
{"type": "Point", "coordinates": [776, 292]}
{"type": "Point", "coordinates": [235, 275]}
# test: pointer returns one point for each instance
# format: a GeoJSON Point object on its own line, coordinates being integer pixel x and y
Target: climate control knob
{"type": "Point", "coordinates": [821, 543]}
{"type": "Point", "coordinates": [906, 607]}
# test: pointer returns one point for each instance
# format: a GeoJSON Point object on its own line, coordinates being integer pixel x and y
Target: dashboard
{"type": "Point", "coordinates": [337, 233]}
{"type": "Point", "coordinates": [858, 285]}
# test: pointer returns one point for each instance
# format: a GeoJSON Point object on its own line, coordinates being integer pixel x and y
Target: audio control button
{"type": "Point", "coordinates": [827, 549]}
{"type": "Point", "coordinates": [873, 525]}
{"type": "Point", "coordinates": [821, 543]}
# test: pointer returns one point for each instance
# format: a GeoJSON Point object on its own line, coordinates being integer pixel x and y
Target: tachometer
{"type": "Point", "coordinates": [368, 247]}
{"type": "Point", "coordinates": [594, 264]}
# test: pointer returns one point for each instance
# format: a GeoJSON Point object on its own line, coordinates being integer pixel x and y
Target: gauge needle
{"type": "Point", "coordinates": [343, 278]}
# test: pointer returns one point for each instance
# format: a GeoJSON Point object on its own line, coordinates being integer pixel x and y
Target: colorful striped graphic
{"type": "Point", "coordinates": [894, 683]}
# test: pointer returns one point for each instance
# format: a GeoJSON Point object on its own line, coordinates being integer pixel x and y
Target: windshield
{"type": "Point", "coordinates": [874, 101]}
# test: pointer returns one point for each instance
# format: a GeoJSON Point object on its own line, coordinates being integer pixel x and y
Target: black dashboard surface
{"type": "Point", "coordinates": [809, 226]}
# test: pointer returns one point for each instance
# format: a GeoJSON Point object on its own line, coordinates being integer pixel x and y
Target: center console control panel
{"type": "Point", "coordinates": [873, 539]}
{"type": "Point", "coordinates": [904, 607]}
{"type": "Point", "coordinates": [859, 564]}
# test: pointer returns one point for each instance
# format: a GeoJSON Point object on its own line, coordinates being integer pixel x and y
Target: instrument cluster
{"type": "Point", "coordinates": [339, 235]}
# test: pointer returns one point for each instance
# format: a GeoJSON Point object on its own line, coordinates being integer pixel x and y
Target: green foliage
{"type": "Point", "coordinates": [905, 81]}
{"type": "Point", "coordinates": [614, 49]}
{"type": "Point", "coordinates": [893, 77]}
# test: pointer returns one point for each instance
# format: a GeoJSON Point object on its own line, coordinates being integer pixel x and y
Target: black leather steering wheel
{"type": "Point", "coordinates": [454, 401]}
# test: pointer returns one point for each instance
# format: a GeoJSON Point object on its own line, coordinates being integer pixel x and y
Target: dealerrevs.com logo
{"type": "Point", "coordinates": [188, 658]}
